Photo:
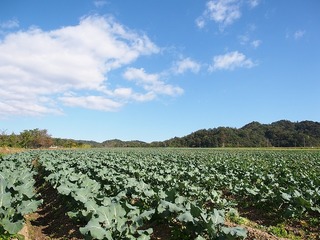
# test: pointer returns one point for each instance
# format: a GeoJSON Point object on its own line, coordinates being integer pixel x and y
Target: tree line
{"type": "Point", "coordinates": [37, 138]}
{"type": "Point", "coordinates": [282, 133]}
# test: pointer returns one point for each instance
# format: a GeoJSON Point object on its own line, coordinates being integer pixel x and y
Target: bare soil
{"type": "Point", "coordinates": [8, 150]}
{"type": "Point", "coordinates": [51, 222]}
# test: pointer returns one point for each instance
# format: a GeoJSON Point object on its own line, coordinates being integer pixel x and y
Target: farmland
{"type": "Point", "coordinates": [187, 193]}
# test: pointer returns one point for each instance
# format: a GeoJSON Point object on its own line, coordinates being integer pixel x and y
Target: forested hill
{"type": "Point", "coordinates": [278, 134]}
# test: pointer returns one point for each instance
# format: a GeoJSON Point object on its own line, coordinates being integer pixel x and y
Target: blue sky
{"type": "Point", "coordinates": [153, 70]}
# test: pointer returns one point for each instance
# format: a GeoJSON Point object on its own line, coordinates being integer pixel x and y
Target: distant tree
{"type": "Point", "coordinates": [26, 139]}
{"type": "Point", "coordinates": [13, 140]}
{"type": "Point", "coordinates": [3, 138]}
{"type": "Point", "coordinates": [35, 138]}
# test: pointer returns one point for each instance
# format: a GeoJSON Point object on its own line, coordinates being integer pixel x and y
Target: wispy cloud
{"type": "Point", "coordinates": [201, 22]}
{"type": "Point", "coordinates": [91, 102]}
{"type": "Point", "coordinates": [247, 39]}
{"type": "Point", "coordinates": [244, 39]}
{"type": "Point", "coordinates": [13, 23]}
{"type": "Point", "coordinates": [256, 43]}
{"type": "Point", "coordinates": [38, 67]}
{"type": "Point", "coordinates": [186, 64]}
{"type": "Point", "coordinates": [230, 61]}
{"type": "Point", "coordinates": [253, 3]}
{"type": "Point", "coordinates": [100, 3]}
{"type": "Point", "coordinates": [151, 82]}
{"type": "Point", "coordinates": [299, 34]}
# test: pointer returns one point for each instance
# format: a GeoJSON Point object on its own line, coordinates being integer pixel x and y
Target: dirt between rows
{"type": "Point", "coordinates": [9, 150]}
{"type": "Point", "coordinates": [162, 232]}
{"type": "Point", "coordinates": [50, 222]}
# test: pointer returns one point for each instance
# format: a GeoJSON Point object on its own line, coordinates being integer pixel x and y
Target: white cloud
{"type": "Point", "coordinates": [299, 34]}
{"type": "Point", "coordinates": [37, 65]}
{"type": "Point", "coordinates": [151, 82]}
{"type": "Point", "coordinates": [91, 102]}
{"type": "Point", "coordinates": [230, 61]}
{"type": "Point", "coordinates": [26, 105]}
{"type": "Point", "coordinates": [223, 12]}
{"type": "Point", "coordinates": [186, 64]}
{"type": "Point", "coordinates": [128, 94]}
{"type": "Point", "coordinates": [253, 3]}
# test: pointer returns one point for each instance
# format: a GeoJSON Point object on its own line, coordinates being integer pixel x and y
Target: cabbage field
{"type": "Point", "coordinates": [191, 193]}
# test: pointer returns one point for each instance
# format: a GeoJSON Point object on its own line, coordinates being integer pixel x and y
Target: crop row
{"type": "Point", "coordinates": [17, 193]}
{"type": "Point", "coordinates": [125, 193]}
{"type": "Point", "coordinates": [119, 194]}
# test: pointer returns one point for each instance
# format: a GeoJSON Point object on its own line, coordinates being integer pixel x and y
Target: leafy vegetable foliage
{"type": "Point", "coordinates": [17, 194]}
{"type": "Point", "coordinates": [123, 193]}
